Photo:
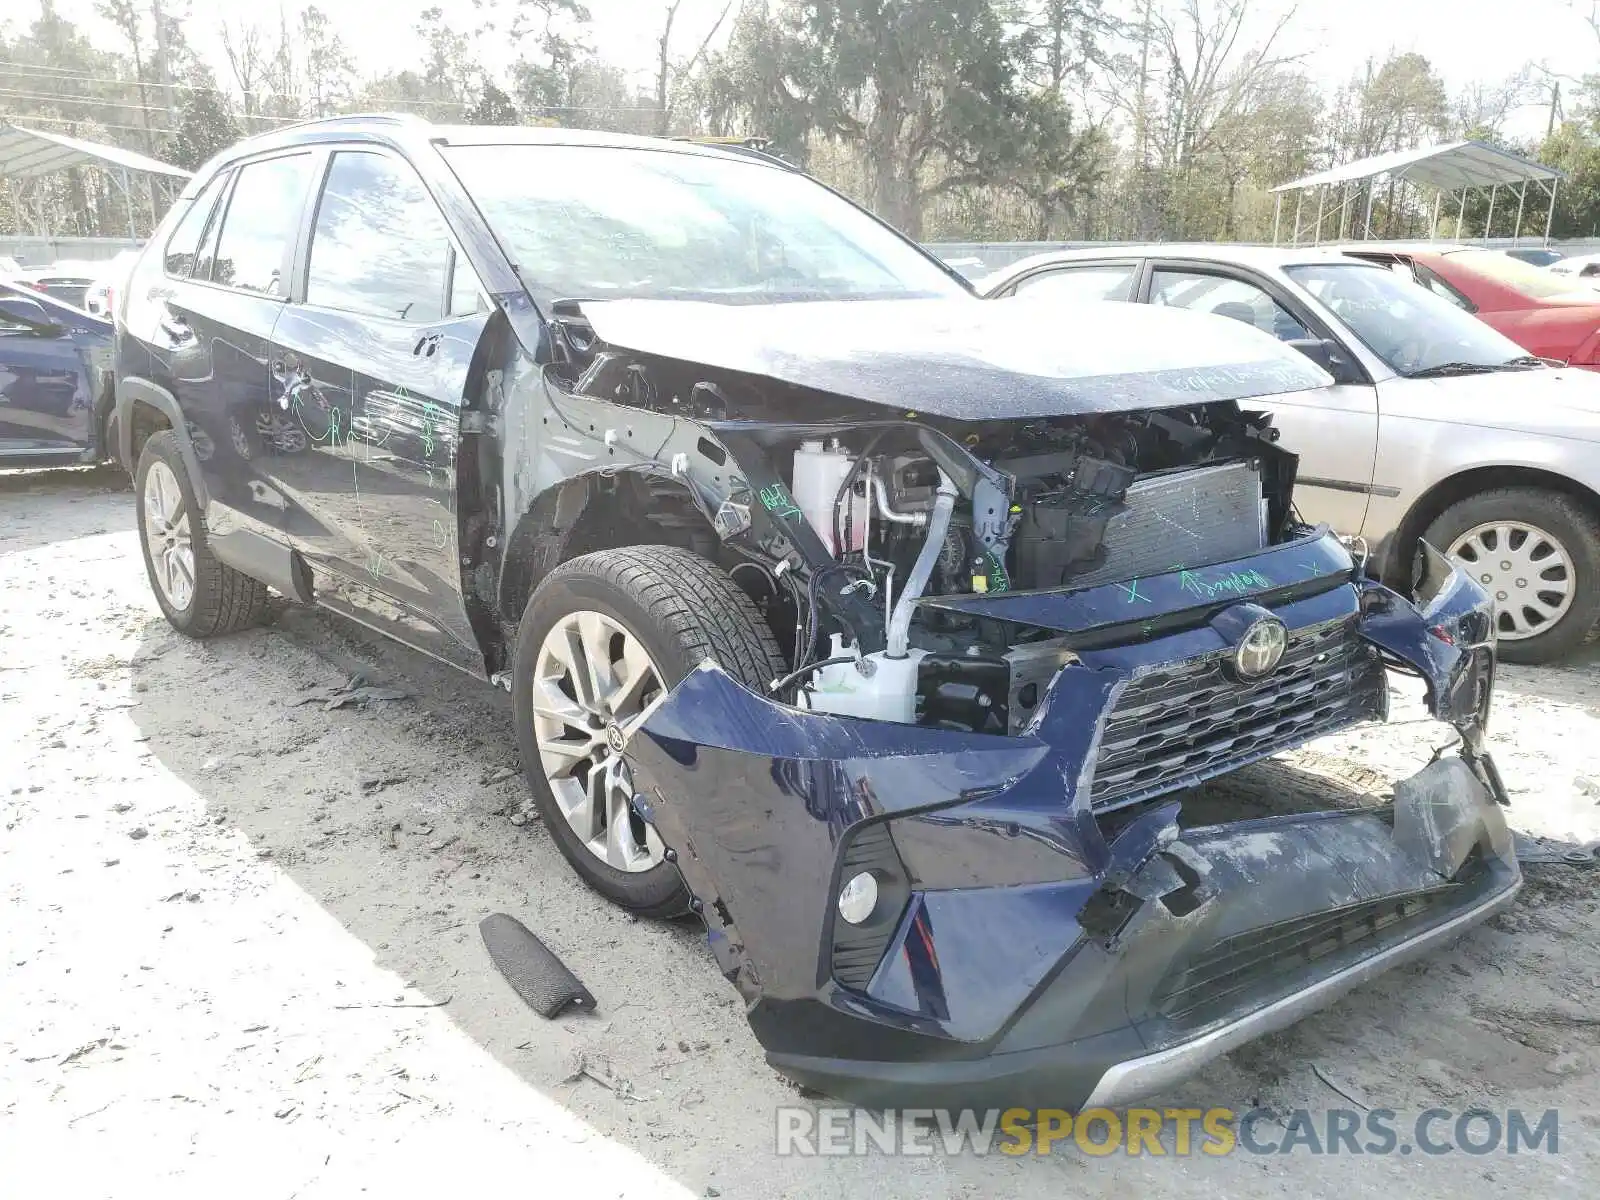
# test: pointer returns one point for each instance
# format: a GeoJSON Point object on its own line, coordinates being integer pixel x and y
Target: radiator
{"type": "Point", "coordinates": [1185, 518]}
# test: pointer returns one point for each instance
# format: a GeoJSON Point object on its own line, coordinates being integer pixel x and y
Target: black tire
{"type": "Point", "coordinates": [224, 600]}
{"type": "Point", "coordinates": [683, 609]}
{"type": "Point", "coordinates": [1563, 518]}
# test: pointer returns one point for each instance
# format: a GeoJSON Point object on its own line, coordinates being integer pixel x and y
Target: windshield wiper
{"type": "Point", "coordinates": [1446, 369]}
{"type": "Point", "coordinates": [1524, 362]}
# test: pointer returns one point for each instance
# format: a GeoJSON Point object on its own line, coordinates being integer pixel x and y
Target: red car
{"type": "Point", "coordinates": [1544, 313]}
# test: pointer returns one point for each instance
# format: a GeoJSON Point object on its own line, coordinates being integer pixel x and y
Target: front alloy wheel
{"type": "Point", "coordinates": [592, 679]}
{"type": "Point", "coordinates": [601, 638]}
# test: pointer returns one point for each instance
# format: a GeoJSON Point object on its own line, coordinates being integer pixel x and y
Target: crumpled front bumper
{"type": "Point", "coordinates": [1026, 949]}
{"type": "Point", "coordinates": [1315, 906]}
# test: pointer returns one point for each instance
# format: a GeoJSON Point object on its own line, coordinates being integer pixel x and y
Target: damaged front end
{"type": "Point", "coordinates": [1036, 938]}
{"type": "Point", "coordinates": [952, 857]}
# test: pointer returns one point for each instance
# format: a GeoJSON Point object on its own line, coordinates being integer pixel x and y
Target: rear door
{"type": "Point", "coordinates": [1334, 430]}
{"type": "Point", "coordinates": [1113, 280]}
{"type": "Point", "coordinates": [210, 316]}
{"type": "Point", "coordinates": [370, 365]}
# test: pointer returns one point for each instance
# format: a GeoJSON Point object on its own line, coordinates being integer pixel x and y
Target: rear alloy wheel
{"type": "Point", "coordinates": [199, 595]}
{"type": "Point", "coordinates": [1537, 554]}
{"type": "Point", "coordinates": [168, 538]}
{"type": "Point", "coordinates": [602, 637]}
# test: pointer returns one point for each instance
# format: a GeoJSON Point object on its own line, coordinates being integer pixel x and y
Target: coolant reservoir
{"type": "Point", "coordinates": [889, 693]}
{"type": "Point", "coordinates": [819, 470]}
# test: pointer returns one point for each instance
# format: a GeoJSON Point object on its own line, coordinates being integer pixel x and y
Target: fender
{"type": "Point", "coordinates": [132, 389]}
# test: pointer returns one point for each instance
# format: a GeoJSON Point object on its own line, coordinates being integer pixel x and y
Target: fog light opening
{"type": "Point", "coordinates": [858, 898]}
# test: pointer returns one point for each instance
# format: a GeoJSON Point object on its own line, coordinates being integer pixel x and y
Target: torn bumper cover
{"type": "Point", "coordinates": [1037, 940]}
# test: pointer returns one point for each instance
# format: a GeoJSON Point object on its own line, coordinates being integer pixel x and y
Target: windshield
{"type": "Point", "coordinates": [603, 222]}
{"type": "Point", "coordinates": [1403, 323]}
{"type": "Point", "coordinates": [1531, 281]}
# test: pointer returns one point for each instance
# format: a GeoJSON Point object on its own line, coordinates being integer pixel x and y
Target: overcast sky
{"type": "Point", "coordinates": [1467, 40]}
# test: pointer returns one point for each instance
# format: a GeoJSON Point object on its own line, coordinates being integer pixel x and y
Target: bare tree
{"type": "Point", "coordinates": [667, 71]}
{"type": "Point", "coordinates": [1481, 109]}
{"type": "Point", "coordinates": [1210, 78]}
{"type": "Point", "coordinates": [242, 45]}
{"type": "Point", "coordinates": [329, 71]}
{"type": "Point", "coordinates": [130, 23]}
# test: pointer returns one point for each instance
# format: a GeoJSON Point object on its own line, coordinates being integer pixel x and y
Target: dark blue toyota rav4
{"type": "Point", "coordinates": [895, 632]}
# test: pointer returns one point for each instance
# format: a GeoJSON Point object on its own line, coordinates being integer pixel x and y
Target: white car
{"type": "Point", "coordinates": [102, 293]}
{"type": "Point", "coordinates": [1580, 266]}
{"type": "Point", "coordinates": [1437, 426]}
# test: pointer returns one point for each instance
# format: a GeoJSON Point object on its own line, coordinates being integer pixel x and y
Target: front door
{"type": "Point", "coordinates": [370, 365]}
{"type": "Point", "coordinates": [1334, 430]}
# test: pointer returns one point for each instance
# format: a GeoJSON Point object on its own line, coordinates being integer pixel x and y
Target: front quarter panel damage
{"type": "Point", "coordinates": [755, 797]}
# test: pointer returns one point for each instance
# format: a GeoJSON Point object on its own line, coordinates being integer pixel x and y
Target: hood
{"type": "Point", "coordinates": [969, 359]}
{"type": "Point", "coordinates": [1559, 402]}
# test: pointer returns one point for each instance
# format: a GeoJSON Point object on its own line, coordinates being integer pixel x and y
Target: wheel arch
{"type": "Point", "coordinates": [1459, 486]}
{"type": "Point", "coordinates": [604, 509]}
{"type": "Point", "coordinates": [142, 408]}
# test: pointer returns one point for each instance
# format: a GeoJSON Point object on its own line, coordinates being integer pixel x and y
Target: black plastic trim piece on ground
{"type": "Point", "coordinates": [532, 970]}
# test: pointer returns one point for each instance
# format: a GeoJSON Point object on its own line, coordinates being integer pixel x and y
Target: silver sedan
{"type": "Point", "coordinates": [1436, 426]}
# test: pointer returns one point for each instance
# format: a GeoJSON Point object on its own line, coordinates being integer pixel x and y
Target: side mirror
{"type": "Point", "coordinates": [1326, 355]}
{"type": "Point", "coordinates": [22, 311]}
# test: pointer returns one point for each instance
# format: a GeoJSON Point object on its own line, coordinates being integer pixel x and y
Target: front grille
{"type": "Point", "coordinates": [1176, 726]}
{"type": "Point", "coordinates": [1266, 957]}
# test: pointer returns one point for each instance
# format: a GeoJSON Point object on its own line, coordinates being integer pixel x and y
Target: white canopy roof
{"type": "Point", "coordinates": [1448, 167]}
{"type": "Point", "coordinates": [25, 153]}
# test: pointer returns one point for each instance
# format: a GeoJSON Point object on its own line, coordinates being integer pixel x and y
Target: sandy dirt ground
{"type": "Point", "coordinates": [239, 954]}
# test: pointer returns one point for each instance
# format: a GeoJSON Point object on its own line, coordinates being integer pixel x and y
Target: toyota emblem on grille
{"type": "Point", "coordinates": [1260, 649]}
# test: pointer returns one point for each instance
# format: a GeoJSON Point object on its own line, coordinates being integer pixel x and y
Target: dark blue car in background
{"type": "Point", "coordinates": [55, 381]}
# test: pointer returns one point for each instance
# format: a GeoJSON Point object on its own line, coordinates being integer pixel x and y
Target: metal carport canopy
{"type": "Point", "coordinates": [26, 153]}
{"type": "Point", "coordinates": [1446, 167]}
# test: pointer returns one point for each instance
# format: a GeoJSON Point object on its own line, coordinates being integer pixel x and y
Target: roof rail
{"type": "Point", "coordinates": [391, 118]}
{"type": "Point", "coordinates": [750, 147]}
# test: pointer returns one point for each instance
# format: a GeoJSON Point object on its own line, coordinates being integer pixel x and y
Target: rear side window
{"type": "Point", "coordinates": [1082, 283]}
{"type": "Point", "coordinates": [184, 244]}
{"type": "Point", "coordinates": [380, 247]}
{"type": "Point", "coordinates": [258, 229]}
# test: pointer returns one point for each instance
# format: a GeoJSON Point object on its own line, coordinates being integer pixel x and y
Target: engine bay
{"type": "Point", "coordinates": [1092, 501]}
{"type": "Point", "coordinates": [909, 511]}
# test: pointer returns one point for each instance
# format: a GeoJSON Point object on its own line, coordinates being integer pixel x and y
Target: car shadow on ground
{"type": "Point", "coordinates": [407, 822]}
{"type": "Point", "coordinates": [399, 821]}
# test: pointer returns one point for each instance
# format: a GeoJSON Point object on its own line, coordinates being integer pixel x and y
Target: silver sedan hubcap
{"type": "Point", "coordinates": [1526, 570]}
{"type": "Point", "coordinates": [592, 680]}
{"type": "Point", "coordinates": [167, 537]}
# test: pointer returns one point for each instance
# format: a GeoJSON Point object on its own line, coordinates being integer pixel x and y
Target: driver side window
{"type": "Point", "coordinates": [1224, 296]}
